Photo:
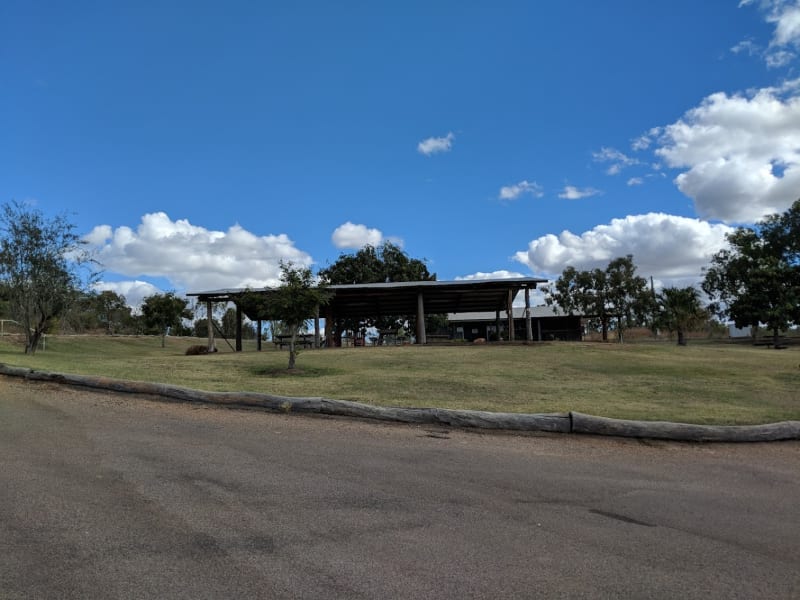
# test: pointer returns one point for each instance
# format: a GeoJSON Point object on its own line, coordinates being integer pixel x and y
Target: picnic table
{"type": "Point", "coordinates": [304, 340]}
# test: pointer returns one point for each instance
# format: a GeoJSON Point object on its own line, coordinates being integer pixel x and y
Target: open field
{"type": "Point", "coordinates": [707, 383]}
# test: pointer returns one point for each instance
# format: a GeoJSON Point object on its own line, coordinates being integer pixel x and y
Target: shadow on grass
{"type": "Point", "coordinates": [307, 372]}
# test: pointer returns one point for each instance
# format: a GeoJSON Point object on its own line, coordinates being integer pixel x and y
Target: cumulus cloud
{"type": "Point", "coordinates": [664, 246]}
{"type": "Point", "coordinates": [537, 296]}
{"type": "Point", "coordinates": [512, 192]}
{"type": "Point", "coordinates": [193, 258]}
{"type": "Point", "coordinates": [355, 236]}
{"type": "Point", "coordinates": [741, 153]}
{"type": "Point", "coordinates": [573, 193]}
{"type": "Point", "coordinates": [435, 145]}
{"type": "Point", "coordinates": [635, 181]}
{"type": "Point", "coordinates": [133, 291]}
{"type": "Point", "coordinates": [618, 160]}
{"type": "Point", "coordinates": [502, 274]}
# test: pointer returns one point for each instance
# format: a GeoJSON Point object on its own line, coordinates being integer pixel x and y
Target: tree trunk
{"type": "Point", "coordinates": [775, 338]}
{"type": "Point", "coordinates": [164, 339]}
{"type": "Point", "coordinates": [681, 338]}
{"type": "Point", "coordinates": [292, 351]}
{"type": "Point", "coordinates": [604, 328]}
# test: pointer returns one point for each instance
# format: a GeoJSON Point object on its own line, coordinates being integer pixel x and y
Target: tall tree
{"type": "Point", "coordinates": [680, 311]}
{"type": "Point", "coordinates": [382, 264]}
{"type": "Point", "coordinates": [756, 280]}
{"type": "Point", "coordinates": [615, 293]}
{"type": "Point", "coordinates": [629, 298]}
{"type": "Point", "coordinates": [41, 262]}
{"type": "Point", "coordinates": [111, 309]}
{"type": "Point", "coordinates": [163, 311]}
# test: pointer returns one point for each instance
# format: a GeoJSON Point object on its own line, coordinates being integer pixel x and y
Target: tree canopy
{"type": "Point", "coordinates": [41, 261]}
{"type": "Point", "coordinates": [293, 303]}
{"type": "Point", "coordinates": [756, 280]}
{"type": "Point", "coordinates": [614, 293]}
{"type": "Point", "coordinates": [163, 311]}
{"type": "Point", "coordinates": [382, 264]}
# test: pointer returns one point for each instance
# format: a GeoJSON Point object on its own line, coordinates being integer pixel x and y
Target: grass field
{"type": "Point", "coordinates": [714, 383]}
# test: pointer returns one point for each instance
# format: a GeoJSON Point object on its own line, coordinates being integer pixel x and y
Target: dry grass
{"type": "Point", "coordinates": [702, 383]}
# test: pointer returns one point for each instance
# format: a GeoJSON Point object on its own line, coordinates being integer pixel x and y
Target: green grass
{"type": "Point", "coordinates": [713, 383]}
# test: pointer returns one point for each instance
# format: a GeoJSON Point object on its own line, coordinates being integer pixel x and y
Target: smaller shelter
{"type": "Point", "coordinates": [546, 324]}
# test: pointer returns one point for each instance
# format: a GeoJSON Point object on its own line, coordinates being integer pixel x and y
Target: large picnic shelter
{"type": "Point", "coordinates": [363, 300]}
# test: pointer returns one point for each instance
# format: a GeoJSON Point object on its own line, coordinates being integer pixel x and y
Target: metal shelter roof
{"type": "Point", "coordinates": [400, 298]}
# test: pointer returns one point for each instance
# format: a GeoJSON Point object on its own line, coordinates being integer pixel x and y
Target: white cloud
{"type": "Point", "coordinates": [502, 274]}
{"type": "Point", "coordinates": [617, 159]}
{"type": "Point", "coordinates": [355, 236]}
{"type": "Point", "coordinates": [748, 47]}
{"type": "Point", "coordinates": [537, 296]}
{"type": "Point", "coordinates": [643, 141]}
{"type": "Point", "coordinates": [784, 15]}
{"type": "Point", "coordinates": [635, 181]}
{"type": "Point", "coordinates": [573, 193]}
{"type": "Point", "coordinates": [133, 291]}
{"type": "Point", "coordinates": [434, 145]}
{"type": "Point", "coordinates": [664, 246]}
{"type": "Point", "coordinates": [512, 192]}
{"type": "Point", "coordinates": [193, 258]}
{"type": "Point", "coordinates": [741, 153]}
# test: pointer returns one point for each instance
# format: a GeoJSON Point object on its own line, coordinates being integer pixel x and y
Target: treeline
{"type": "Point", "coordinates": [754, 282]}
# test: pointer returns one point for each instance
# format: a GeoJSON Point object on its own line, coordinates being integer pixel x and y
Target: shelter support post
{"type": "Point", "coordinates": [539, 329]}
{"type": "Point", "coordinates": [238, 328]}
{"type": "Point", "coordinates": [496, 326]}
{"type": "Point", "coordinates": [421, 339]}
{"type": "Point", "coordinates": [329, 328]}
{"type": "Point", "coordinates": [316, 327]}
{"type": "Point", "coordinates": [528, 328]}
{"type": "Point", "coordinates": [510, 313]}
{"type": "Point", "coordinates": [210, 323]}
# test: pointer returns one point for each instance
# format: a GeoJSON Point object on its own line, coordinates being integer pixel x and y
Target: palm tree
{"type": "Point", "coordinates": [680, 310]}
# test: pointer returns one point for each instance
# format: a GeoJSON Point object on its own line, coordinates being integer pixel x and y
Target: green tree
{"type": "Point", "coordinates": [382, 264]}
{"type": "Point", "coordinates": [200, 328]}
{"type": "Point", "coordinates": [111, 309]}
{"type": "Point", "coordinates": [293, 303]}
{"type": "Point", "coordinates": [162, 311]}
{"type": "Point", "coordinates": [615, 294]}
{"type": "Point", "coordinates": [629, 297]}
{"type": "Point", "coordinates": [229, 323]}
{"type": "Point", "coordinates": [41, 261]}
{"type": "Point", "coordinates": [756, 280]}
{"type": "Point", "coordinates": [679, 311]}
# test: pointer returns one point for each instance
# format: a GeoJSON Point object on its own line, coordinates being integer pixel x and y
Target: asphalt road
{"type": "Point", "coordinates": [109, 496]}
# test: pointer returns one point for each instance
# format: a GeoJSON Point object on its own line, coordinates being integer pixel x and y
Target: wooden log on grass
{"type": "Point", "coordinates": [784, 430]}
{"type": "Point", "coordinates": [557, 422]}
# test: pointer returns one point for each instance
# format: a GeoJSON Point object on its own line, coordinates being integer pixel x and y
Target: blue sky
{"type": "Point", "coordinates": [198, 144]}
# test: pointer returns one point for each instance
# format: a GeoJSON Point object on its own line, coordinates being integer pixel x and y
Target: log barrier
{"type": "Point", "coordinates": [571, 422]}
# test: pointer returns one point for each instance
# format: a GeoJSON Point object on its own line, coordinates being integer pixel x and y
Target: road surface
{"type": "Point", "coordinates": [114, 496]}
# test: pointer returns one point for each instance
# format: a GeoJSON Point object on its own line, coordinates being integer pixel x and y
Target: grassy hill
{"type": "Point", "coordinates": [715, 383]}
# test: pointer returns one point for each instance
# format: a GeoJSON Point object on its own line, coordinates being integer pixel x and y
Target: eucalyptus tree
{"type": "Point", "coordinates": [611, 295]}
{"type": "Point", "coordinates": [43, 267]}
{"type": "Point", "coordinates": [756, 279]}
{"type": "Point", "coordinates": [161, 312]}
{"type": "Point", "coordinates": [385, 263]}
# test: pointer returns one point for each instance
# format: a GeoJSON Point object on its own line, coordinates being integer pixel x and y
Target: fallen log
{"type": "Point", "coordinates": [555, 422]}
{"type": "Point", "coordinates": [686, 432]}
